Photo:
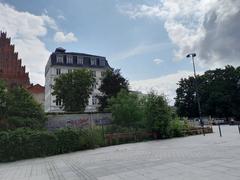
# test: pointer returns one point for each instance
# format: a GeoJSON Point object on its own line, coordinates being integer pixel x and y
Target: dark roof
{"type": "Point", "coordinates": [60, 49]}
{"type": "Point", "coordinates": [101, 61]}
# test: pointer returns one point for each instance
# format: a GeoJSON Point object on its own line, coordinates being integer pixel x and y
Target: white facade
{"type": "Point", "coordinates": [60, 63]}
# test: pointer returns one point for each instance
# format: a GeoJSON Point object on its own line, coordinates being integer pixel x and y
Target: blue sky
{"type": "Point", "coordinates": [146, 39]}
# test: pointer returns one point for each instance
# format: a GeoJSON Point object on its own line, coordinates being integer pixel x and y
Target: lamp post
{"type": "Point", "coordinates": [238, 86]}
{"type": "Point", "coordinates": [192, 55]}
{"type": "Point", "coordinates": [91, 110]}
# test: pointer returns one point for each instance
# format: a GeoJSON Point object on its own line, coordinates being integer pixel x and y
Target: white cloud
{"type": "Point", "coordinates": [26, 29]}
{"type": "Point", "coordinates": [208, 27]}
{"type": "Point", "coordinates": [138, 50]}
{"type": "Point", "coordinates": [61, 17]}
{"type": "Point", "coordinates": [158, 61]}
{"type": "Point", "coordinates": [60, 37]}
{"type": "Point", "coordinates": [166, 85]}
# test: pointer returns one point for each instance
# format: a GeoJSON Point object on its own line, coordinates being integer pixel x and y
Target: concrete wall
{"type": "Point", "coordinates": [56, 121]}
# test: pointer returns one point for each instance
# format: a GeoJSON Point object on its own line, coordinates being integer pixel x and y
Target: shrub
{"type": "Point", "coordinates": [20, 110]}
{"type": "Point", "coordinates": [26, 143]}
{"type": "Point", "coordinates": [41, 144]}
{"type": "Point", "coordinates": [158, 115]}
{"type": "Point", "coordinates": [68, 140]}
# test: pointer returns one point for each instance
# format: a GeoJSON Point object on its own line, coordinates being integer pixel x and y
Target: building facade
{"type": "Point", "coordinates": [11, 69]}
{"type": "Point", "coordinates": [38, 93]}
{"type": "Point", "coordinates": [60, 62]}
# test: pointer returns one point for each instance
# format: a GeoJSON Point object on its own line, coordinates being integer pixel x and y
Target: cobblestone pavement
{"type": "Point", "coordinates": [190, 158]}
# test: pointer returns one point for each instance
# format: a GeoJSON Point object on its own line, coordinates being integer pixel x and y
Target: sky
{"type": "Point", "coordinates": [147, 39]}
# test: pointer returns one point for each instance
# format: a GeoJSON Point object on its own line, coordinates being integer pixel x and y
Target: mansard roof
{"type": "Point", "coordinates": [101, 61]}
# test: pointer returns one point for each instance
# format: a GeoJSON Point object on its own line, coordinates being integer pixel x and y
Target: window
{"type": "Point", "coordinates": [102, 62]}
{"type": "Point", "coordinates": [94, 100]}
{"type": "Point", "coordinates": [58, 101]}
{"type": "Point", "coordinates": [69, 59]}
{"type": "Point", "coordinates": [102, 73]}
{"type": "Point", "coordinates": [60, 59]}
{"type": "Point", "coordinates": [93, 62]}
{"type": "Point", "coordinates": [94, 73]}
{"type": "Point", "coordinates": [58, 71]}
{"type": "Point", "coordinates": [79, 60]}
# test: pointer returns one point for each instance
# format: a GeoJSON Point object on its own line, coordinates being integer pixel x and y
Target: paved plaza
{"type": "Point", "coordinates": [190, 158]}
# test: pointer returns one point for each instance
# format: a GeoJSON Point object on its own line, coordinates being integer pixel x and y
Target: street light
{"type": "Point", "coordinates": [192, 55]}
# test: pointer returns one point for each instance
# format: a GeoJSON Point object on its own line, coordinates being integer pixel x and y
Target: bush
{"type": "Point", "coordinates": [41, 144]}
{"type": "Point", "coordinates": [158, 115]}
{"type": "Point", "coordinates": [68, 140]}
{"type": "Point", "coordinates": [20, 110]}
{"type": "Point", "coordinates": [27, 143]}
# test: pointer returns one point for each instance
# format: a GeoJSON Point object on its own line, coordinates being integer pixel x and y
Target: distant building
{"type": "Point", "coordinates": [38, 93]}
{"type": "Point", "coordinates": [11, 69]}
{"type": "Point", "coordinates": [60, 62]}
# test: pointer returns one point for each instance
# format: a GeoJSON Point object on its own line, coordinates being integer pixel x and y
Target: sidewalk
{"type": "Point", "coordinates": [190, 158]}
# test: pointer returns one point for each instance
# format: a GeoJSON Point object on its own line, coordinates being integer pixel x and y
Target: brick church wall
{"type": "Point", "coordinates": [11, 69]}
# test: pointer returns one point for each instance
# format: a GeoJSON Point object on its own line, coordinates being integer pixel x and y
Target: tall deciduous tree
{"type": "Point", "coordinates": [126, 109]}
{"type": "Point", "coordinates": [3, 99]}
{"type": "Point", "coordinates": [19, 109]}
{"type": "Point", "coordinates": [186, 101]}
{"type": "Point", "coordinates": [219, 94]}
{"type": "Point", "coordinates": [73, 89]}
{"type": "Point", "coordinates": [158, 115]}
{"type": "Point", "coordinates": [23, 110]}
{"type": "Point", "coordinates": [111, 85]}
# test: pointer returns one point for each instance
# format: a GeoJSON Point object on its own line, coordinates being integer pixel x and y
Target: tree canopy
{"type": "Point", "coordinates": [126, 109]}
{"type": "Point", "coordinates": [19, 109]}
{"type": "Point", "coordinates": [3, 99]}
{"type": "Point", "coordinates": [111, 85]}
{"type": "Point", "coordinates": [158, 114]}
{"type": "Point", "coordinates": [219, 92]}
{"type": "Point", "coordinates": [73, 89]}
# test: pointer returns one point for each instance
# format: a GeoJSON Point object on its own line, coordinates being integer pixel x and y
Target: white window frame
{"type": "Point", "coordinates": [60, 59]}
{"type": "Point", "coordinates": [79, 60]}
{"type": "Point", "coordinates": [94, 73]}
{"type": "Point", "coordinates": [102, 62]}
{"type": "Point", "coordinates": [58, 101]}
{"type": "Point", "coordinates": [58, 71]}
{"type": "Point", "coordinates": [93, 62]}
{"type": "Point", "coordinates": [103, 73]}
{"type": "Point", "coordinates": [69, 59]}
{"type": "Point", "coordinates": [94, 100]}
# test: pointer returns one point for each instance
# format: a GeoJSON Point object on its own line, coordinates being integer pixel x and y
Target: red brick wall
{"type": "Point", "coordinates": [11, 69]}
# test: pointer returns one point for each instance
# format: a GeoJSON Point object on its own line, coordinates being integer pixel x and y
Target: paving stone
{"type": "Point", "coordinates": [198, 157]}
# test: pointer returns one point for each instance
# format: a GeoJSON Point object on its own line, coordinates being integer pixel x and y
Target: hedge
{"type": "Point", "coordinates": [27, 143]}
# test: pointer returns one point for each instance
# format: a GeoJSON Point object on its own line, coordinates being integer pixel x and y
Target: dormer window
{"type": "Point", "coordinates": [60, 59]}
{"type": "Point", "coordinates": [79, 60]}
{"type": "Point", "coordinates": [93, 62]}
{"type": "Point", "coordinates": [69, 60]}
{"type": "Point", "coordinates": [102, 62]}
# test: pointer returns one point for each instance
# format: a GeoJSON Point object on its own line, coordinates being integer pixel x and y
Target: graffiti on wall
{"type": "Point", "coordinates": [80, 123]}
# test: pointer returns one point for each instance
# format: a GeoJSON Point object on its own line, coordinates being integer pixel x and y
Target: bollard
{"type": "Point", "coordinates": [219, 128]}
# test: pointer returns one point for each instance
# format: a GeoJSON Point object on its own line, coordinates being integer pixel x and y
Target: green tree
{"type": "Point", "coordinates": [186, 101]}
{"type": "Point", "coordinates": [73, 89]}
{"type": "Point", "coordinates": [218, 90]}
{"type": "Point", "coordinates": [111, 85]}
{"type": "Point", "coordinates": [3, 99]}
{"type": "Point", "coordinates": [23, 110]}
{"type": "Point", "coordinates": [126, 109]}
{"type": "Point", "coordinates": [158, 115]}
